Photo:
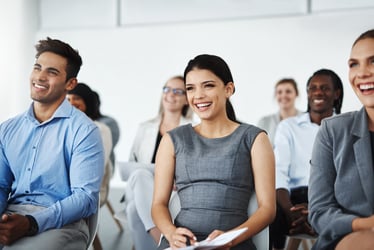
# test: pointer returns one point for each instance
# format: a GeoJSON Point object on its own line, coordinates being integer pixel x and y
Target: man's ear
{"type": "Point", "coordinates": [71, 84]}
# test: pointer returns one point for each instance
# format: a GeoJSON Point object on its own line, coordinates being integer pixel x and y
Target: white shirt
{"type": "Point", "coordinates": [293, 145]}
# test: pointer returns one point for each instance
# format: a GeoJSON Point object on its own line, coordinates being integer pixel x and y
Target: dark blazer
{"type": "Point", "coordinates": [341, 184]}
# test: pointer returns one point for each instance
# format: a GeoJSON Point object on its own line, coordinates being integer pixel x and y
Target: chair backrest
{"type": "Point", "coordinates": [93, 224]}
{"type": "Point", "coordinates": [261, 240]}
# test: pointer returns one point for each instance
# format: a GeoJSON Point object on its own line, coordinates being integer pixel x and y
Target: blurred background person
{"type": "Point", "coordinates": [83, 98]}
{"type": "Point", "coordinates": [285, 94]}
{"type": "Point", "coordinates": [293, 144]}
{"type": "Point", "coordinates": [112, 124]}
{"type": "Point", "coordinates": [173, 112]}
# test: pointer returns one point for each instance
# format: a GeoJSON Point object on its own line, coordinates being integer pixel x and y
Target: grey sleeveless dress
{"type": "Point", "coordinates": [214, 180]}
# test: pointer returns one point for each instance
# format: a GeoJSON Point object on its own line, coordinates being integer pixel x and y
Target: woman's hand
{"type": "Point", "coordinates": [215, 234]}
{"type": "Point", "coordinates": [181, 237]}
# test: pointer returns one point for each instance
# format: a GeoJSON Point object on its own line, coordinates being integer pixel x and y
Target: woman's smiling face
{"type": "Point", "coordinates": [206, 93]}
{"type": "Point", "coordinates": [361, 71]}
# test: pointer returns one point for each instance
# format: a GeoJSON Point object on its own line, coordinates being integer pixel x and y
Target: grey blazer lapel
{"type": "Point", "coordinates": [363, 154]}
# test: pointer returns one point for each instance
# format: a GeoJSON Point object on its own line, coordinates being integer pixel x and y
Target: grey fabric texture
{"type": "Point", "coordinates": [214, 179]}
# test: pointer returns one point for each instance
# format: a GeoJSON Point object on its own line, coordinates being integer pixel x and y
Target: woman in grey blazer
{"type": "Point", "coordinates": [341, 184]}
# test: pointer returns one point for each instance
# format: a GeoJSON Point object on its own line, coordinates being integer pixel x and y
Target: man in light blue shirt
{"type": "Point", "coordinates": [293, 145]}
{"type": "Point", "coordinates": [51, 160]}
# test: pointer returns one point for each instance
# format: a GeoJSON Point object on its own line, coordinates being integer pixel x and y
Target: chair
{"type": "Point", "coordinates": [104, 194]}
{"type": "Point", "coordinates": [294, 241]}
{"type": "Point", "coordinates": [93, 225]}
{"type": "Point", "coordinates": [111, 210]}
{"type": "Point", "coordinates": [261, 240]}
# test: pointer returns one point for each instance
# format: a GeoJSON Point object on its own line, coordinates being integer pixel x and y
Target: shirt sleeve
{"type": "Point", "coordinates": [282, 153]}
{"type": "Point", "coordinates": [5, 179]}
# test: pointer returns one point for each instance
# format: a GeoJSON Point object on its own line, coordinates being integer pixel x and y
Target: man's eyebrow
{"type": "Point", "coordinates": [49, 68]}
{"type": "Point", "coordinates": [53, 69]}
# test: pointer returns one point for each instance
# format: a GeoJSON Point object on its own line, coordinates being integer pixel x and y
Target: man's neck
{"type": "Point", "coordinates": [318, 117]}
{"type": "Point", "coordinates": [43, 111]}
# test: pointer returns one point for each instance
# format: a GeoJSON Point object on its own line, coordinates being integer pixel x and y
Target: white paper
{"type": "Point", "coordinates": [219, 241]}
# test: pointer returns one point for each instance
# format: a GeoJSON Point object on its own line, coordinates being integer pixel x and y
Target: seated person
{"type": "Point", "coordinates": [293, 149]}
{"type": "Point", "coordinates": [174, 111]}
{"type": "Point", "coordinates": [113, 126]}
{"type": "Point", "coordinates": [341, 185]}
{"type": "Point", "coordinates": [216, 165]}
{"type": "Point", "coordinates": [51, 160]}
{"type": "Point", "coordinates": [286, 92]}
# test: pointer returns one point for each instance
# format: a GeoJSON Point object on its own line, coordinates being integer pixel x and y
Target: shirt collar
{"type": "Point", "coordinates": [63, 111]}
{"type": "Point", "coordinates": [303, 118]}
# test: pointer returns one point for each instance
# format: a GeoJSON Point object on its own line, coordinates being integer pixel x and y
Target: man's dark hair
{"type": "Point", "coordinates": [74, 60]}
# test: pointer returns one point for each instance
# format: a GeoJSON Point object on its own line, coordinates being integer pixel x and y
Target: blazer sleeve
{"type": "Point", "coordinates": [326, 215]}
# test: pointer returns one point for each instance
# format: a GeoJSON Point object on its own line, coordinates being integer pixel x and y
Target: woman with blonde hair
{"type": "Point", "coordinates": [173, 112]}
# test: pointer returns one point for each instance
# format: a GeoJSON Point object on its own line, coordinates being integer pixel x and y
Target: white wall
{"type": "Point", "coordinates": [18, 25]}
{"type": "Point", "coordinates": [128, 66]}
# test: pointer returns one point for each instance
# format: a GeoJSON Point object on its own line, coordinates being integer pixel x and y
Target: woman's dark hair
{"type": "Point", "coordinates": [218, 67]}
{"type": "Point", "coordinates": [338, 85]}
{"type": "Point", "coordinates": [366, 34]}
{"type": "Point", "coordinates": [89, 98]}
{"type": "Point", "coordinates": [288, 80]}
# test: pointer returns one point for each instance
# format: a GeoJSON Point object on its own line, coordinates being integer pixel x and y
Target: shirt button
{"type": "Point", "coordinates": [29, 169]}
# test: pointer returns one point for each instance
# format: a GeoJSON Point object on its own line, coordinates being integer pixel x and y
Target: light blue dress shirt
{"type": "Point", "coordinates": [293, 144]}
{"type": "Point", "coordinates": [57, 164]}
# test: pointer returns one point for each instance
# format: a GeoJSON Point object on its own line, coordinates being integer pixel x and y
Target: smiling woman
{"type": "Point", "coordinates": [173, 112]}
{"type": "Point", "coordinates": [214, 183]}
{"type": "Point", "coordinates": [343, 157]}
{"type": "Point", "coordinates": [286, 92]}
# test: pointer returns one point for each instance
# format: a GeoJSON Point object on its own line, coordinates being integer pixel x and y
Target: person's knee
{"type": "Point", "coordinates": [363, 240]}
{"type": "Point", "coordinates": [140, 175]}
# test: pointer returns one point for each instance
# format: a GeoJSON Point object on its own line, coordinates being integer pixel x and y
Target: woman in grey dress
{"type": "Point", "coordinates": [216, 166]}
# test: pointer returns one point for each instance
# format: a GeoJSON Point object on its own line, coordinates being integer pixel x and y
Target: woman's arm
{"type": "Point", "coordinates": [264, 177]}
{"type": "Point", "coordinates": [325, 213]}
{"type": "Point", "coordinates": [164, 180]}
